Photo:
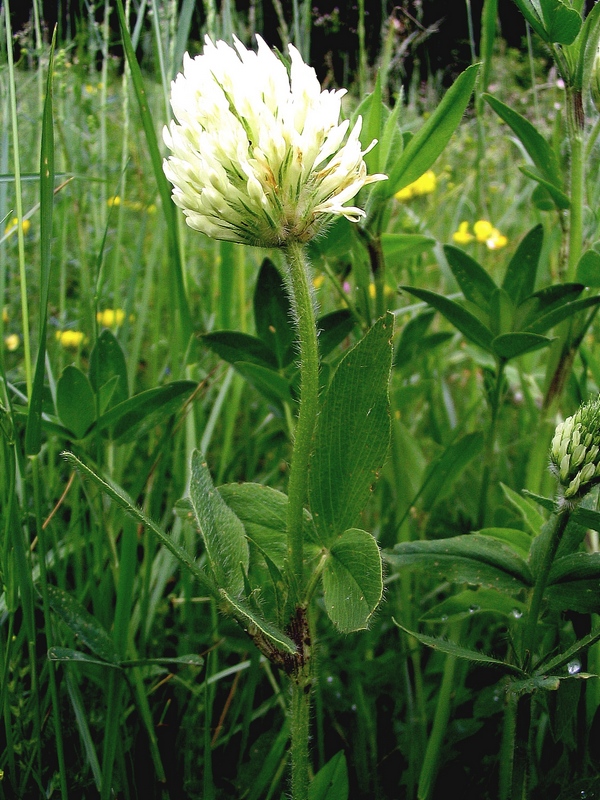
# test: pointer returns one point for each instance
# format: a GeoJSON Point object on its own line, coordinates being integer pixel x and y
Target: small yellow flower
{"type": "Point", "coordinates": [113, 201]}
{"type": "Point", "coordinates": [151, 208]}
{"type": "Point", "coordinates": [462, 235]}
{"type": "Point", "coordinates": [483, 230]}
{"type": "Point", "coordinates": [110, 318]}
{"type": "Point", "coordinates": [318, 281]}
{"type": "Point", "coordinates": [70, 340]}
{"type": "Point", "coordinates": [11, 342]}
{"type": "Point", "coordinates": [13, 224]}
{"type": "Point", "coordinates": [426, 184]}
{"type": "Point", "coordinates": [496, 240]}
{"type": "Point", "coordinates": [387, 291]}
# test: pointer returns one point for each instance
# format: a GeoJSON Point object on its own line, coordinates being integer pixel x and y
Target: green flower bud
{"type": "Point", "coordinates": [575, 451]}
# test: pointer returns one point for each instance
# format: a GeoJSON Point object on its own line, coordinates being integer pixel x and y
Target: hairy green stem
{"type": "Point", "coordinates": [299, 731]}
{"type": "Point", "coordinates": [299, 284]}
{"type": "Point", "coordinates": [300, 290]}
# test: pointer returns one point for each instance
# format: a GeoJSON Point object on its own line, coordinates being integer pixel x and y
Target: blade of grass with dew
{"type": "Point", "coordinates": [162, 184]}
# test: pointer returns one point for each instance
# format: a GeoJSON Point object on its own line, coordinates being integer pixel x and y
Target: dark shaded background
{"type": "Point", "coordinates": [438, 30]}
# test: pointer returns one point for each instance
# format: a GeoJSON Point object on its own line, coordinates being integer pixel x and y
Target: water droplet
{"type": "Point", "coordinates": [573, 667]}
{"type": "Point", "coordinates": [473, 609]}
{"type": "Point", "coordinates": [330, 679]}
{"type": "Point", "coordinates": [517, 613]}
{"type": "Point", "coordinates": [444, 617]}
{"type": "Point", "coordinates": [353, 706]}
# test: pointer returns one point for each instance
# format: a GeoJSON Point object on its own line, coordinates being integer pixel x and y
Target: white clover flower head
{"type": "Point", "coordinates": [575, 451]}
{"type": "Point", "coordinates": [259, 156]}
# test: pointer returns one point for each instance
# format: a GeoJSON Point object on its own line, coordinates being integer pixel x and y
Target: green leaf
{"type": "Point", "coordinates": [588, 267]}
{"type": "Point", "coordinates": [267, 381]}
{"type": "Point", "coordinates": [587, 517]}
{"type": "Point", "coordinates": [233, 346]}
{"type": "Point", "coordinates": [256, 627]}
{"type": "Point", "coordinates": [541, 683]}
{"type": "Point", "coordinates": [75, 401]}
{"type": "Point", "coordinates": [119, 496]}
{"type": "Point", "coordinates": [501, 313]}
{"type": "Point", "coordinates": [546, 321]}
{"type": "Point", "coordinates": [472, 558]}
{"type": "Point", "coordinates": [143, 411]}
{"type": "Point", "coordinates": [426, 145]}
{"type": "Point", "coordinates": [520, 276]}
{"type": "Point", "coordinates": [546, 195]}
{"type": "Point", "coordinates": [400, 246]}
{"type": "Point", "coordinates": [33, 431]}
{"type": "Point", "coordinates": [561, 22]}
{"type": "Point", "coordinates": [222, 532]}
{"type": "Point", "coordinates": [85, 626]}
{"type": "Point", "coordinates": [69, 655]}
{"type": "Point", "coordinates": [540, 152]}
{"type": "Point", "coordinates": [573, 583]}
{"type": "Point", "coordinates": [532, 16]}
{"type": "Point", "coordinates": [447, 468]}
{"type": "Point", "coordinates": [272, 317]}
{"type": "Point", "coordinates": [561, 660]}
{"type": "Point", "coordinates": [575, 566]}
{"type": "Point", "coordinates": [587, 44]}
{"type": "Point", "coordinates": [467, 323]}
{"type": "Point", "coordinates": [531, 516]}
{"type": "Point", "coordinates": [333, 329]}
{"type": "Point", "coordinates": [544, 301]}
{"type": "Point", "coordinates": [352, 580]}
{"type": "Point", "coordinates": [263, 512]}
{"type": "Point", "coordinates": [331, 781]}
{"type": "Point", "coordinates": [107, 362]}
{"type": "Point", "coordinates": [475, 283]}
{"type": "Point", "coordinates": [352, 433]}
{"type": "Point", "coordinates": [511, 345]}
{"type": "Point", "coordinates": [515, 538]}
{"type": "Point", "coordinates": [456, 650]}
{"type": "Point", "coordinates": [371, 109]}
{"type": "Point", "coordinates": [470, 602]}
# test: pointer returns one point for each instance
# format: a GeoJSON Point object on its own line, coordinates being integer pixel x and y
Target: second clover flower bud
{"type": "Point", "coordinates": [575, 451]}
{"type": "Point", "coordinates": [260, 156]}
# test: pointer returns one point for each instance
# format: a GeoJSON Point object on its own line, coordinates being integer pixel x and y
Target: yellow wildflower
{"type": "Point", "coordinates": [13, 224]}
{"type": "Point", "coordinates": [483, 230]}
{"type": "Point", "coordinates": [424, 185]}
{"type": "Point", "coordinates": [70, 339]}
{"type": "Point", "coordinates": [462, 235]}
{"type": "Point", "coordinates": [496, 240]}
{"type": "Point", "coordinates": [11, 342]}
{"type": "Point", "coordinates": [110, 318]}
{"type": "Point", "coordinates": [318, 281]}
{"type": "Point", "coordinates": [387, 291]}
{"type": "Point", "coordinates": [113, 201]}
